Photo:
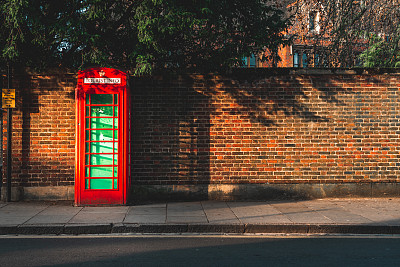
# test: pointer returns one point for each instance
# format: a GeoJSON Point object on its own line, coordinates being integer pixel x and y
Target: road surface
{"type": "Point", "coordinates": [197, 250]}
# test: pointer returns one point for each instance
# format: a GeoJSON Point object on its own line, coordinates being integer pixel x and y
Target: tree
{"type": "Point", "coordinates": [382, 52]}
{"type": "Point", "coordinates": [140, 35]}
{"type": "Point", "coordinates": [351, 30]}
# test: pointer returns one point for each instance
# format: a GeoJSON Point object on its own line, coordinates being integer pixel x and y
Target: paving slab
{"type": "Point", "coordinates": [145, 219]}
{"type": "Point", "coordinates": [84, 217]}
{"type": "Point", "coordinates": [147, 214]}
{"type": "Point", "coordinates": [186, 219]}
{"type": "Point", "coordinates": [301, 214]}
{"type": "Point", "coordinates": [392, 207]}
{"type": "Point", "coordinates": [190, 209]}
{"type": "Point", "coordinates": [24, 208]}
{"type": "Point", "coordinates": [55, 215]}
{"type": "Point", "coordinates": [118, 209]}
{"type": "Point", "coordinates": [148, 210]}
{"type": "Point", "coordinates": [387, 214]}
{"type": "Point", "coordinates": [185, 206]}
{"type": "Point", "coordinates": [348, 216]}
{"type": "Point", "coordinates": [335, 211]}
{"type": "Point", "coordinates": [19, 213]}
{"type": "Point", "coordinates": [152, 205]}
{"type": "Point", "coordinates": [13, 220]}
{"type": "Point", "coordinates": [257, 213]}
{"type": "Point", "coordinates": [219, 213]}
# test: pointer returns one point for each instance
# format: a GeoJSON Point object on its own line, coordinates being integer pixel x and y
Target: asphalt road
{"type": "Point", "coordinates": [170, 250]}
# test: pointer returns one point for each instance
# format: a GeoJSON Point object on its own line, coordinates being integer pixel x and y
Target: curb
{"type": "Point", "coordinates": [196, 228]}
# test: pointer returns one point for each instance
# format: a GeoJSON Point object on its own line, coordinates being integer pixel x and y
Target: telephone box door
{"type": "Point", "coordinates": [102, 137]}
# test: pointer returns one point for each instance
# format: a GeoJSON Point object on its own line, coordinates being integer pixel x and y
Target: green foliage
{"type": "Point", "coordinates": [141, 35]}
{"type": "Point", "coordinates": [382, 52]}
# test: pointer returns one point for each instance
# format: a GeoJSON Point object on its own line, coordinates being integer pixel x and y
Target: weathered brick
{"type": "Point", "coordinates": [233, 128]}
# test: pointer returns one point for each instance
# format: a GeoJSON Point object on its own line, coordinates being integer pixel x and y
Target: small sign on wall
{"type": "Point", "coordinates": [8, 98]}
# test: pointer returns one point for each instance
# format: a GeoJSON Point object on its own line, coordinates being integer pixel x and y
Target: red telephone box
{"type": "Point", "coordinates": [102, 126]}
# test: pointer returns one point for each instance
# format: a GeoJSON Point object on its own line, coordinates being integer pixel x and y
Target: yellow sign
{"type": "Point", "coordinates": [8, 97]}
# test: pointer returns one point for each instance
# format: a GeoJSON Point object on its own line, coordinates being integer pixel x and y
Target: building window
{"type": "Point", "coordinates": [250, 62]}
{"type": "Point", "coordinates": [316, 60]}
{"type": "Point", "coordinates": [296, 60]}
{"type": "Point", "coordinates": [305, 61]}
{"type": "Point", "coordinates": [313, 22]}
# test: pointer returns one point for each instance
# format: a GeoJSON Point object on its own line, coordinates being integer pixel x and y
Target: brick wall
{"type": "Point", "coordinates": [251, 127]}
{"type": "Point", "coordinates": [267, 127]}
{"type": "Point", "coordinates": [43, 130]}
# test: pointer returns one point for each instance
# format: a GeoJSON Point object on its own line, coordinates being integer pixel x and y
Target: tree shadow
{"type": "Point", "coordinates": [262, 95]}
{"type": "Point", "coordinates": [41, 132]}
{"type": "Point", "coordinates": [172, 116]}
{"type": "Point", "coordinates": [170, 133]}
{"type": "Point", "coordinates": [180, 126]}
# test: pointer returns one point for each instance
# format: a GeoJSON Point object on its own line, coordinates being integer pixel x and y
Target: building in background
{"type": "Point", "coordinates": [332, 33]}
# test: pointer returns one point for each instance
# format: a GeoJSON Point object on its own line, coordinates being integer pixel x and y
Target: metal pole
{"type": "Point", "coordinates": [9, 161]}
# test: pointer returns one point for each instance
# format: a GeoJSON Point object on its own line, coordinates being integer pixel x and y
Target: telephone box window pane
{"type": "Point", "coordinates": [101, 99]}
{"type": "Point", "coordinates": [100, 159]}
{"type": "Point", "coordinates": [99, 147]}
{"type": "Point", "coordinates": [100, 171]}
{"type": "Point", "coordinates": [101, 111]}
{"type": "Point", "coordinates": [101, 184]}
{"type": "Point", "coordinates": [99, 135]}
{"type": "Point", "coordinates": [99, 123]}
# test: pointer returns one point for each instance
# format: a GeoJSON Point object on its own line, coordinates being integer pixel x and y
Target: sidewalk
{"type": "Point", "coordinates": [324, 216]}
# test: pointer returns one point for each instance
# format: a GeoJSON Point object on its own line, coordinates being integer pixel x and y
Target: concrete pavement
{"type": "Point", "coordinates": [320, 216]}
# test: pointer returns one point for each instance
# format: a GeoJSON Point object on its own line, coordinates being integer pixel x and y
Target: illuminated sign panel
{"type": "Point", "coordinates": [102, 80]}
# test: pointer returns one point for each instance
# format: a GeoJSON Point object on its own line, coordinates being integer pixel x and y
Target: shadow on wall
{"type": "Point", "coordinates": [170, 128]}
{"type": "Point", "coordinates": [263, 98]}
{"type": "Point", "coordinates": [43, 130]}
{"type": "Point", "coordinates": [181, 125]}
{"type": "Point", "coordinates": [184, 127]}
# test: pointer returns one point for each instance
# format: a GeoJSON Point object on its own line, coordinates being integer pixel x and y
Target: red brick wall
{"type": "Point", "coordinates": [257, 127]}
{"type": "Point", "coordinates": [252, 126]}
{"type": "Point", "coordinates": [43, 130]}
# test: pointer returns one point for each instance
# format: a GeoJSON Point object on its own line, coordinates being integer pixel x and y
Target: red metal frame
{"type": "Point", "coordinates": [102, 81]}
